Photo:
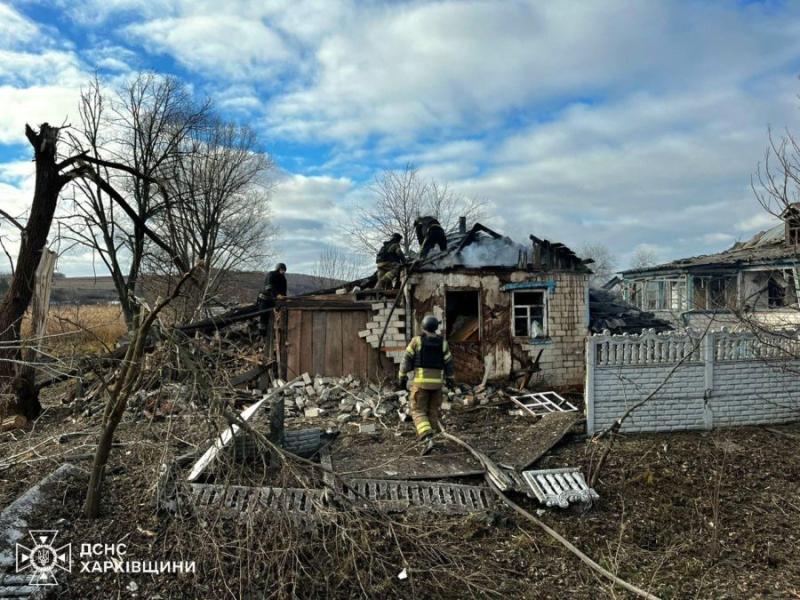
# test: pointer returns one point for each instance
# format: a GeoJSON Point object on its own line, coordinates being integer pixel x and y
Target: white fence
{"type": "Point", "coordinates": [721, 379]}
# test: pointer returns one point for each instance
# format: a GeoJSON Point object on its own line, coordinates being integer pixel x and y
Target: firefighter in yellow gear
{"type": "Point", "coordinates": [429, 357]}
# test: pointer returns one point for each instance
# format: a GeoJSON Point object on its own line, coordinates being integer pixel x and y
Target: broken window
{"type": "Point", "coordinates": [793, 233]}
{"type": "Point", "coordinates": [776, 293]}
{"type": "Point", "coordinates": [715, 293]}
{"type": "Point", "coordinates": [677, 295]}
{"type": "Point", "coordinates": [462, 316]}
{"type": "Point", "coordinates": [763, 289]}
{"type": "Point", "coordinates": [651, 295]}
{"type": "Point", "coordinates": [530, 314]}
{"type": "Point", "coordinates": [661, 294]}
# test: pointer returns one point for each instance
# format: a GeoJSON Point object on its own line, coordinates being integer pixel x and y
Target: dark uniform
{"type": "Point", "coordinates": [389, 260]}
{"type": "Point", "coordinates": [430, 358]}
{"type": "Point", "coordinates": [429, 234]}
{"type": "Point", "coordinates": [274, 287]}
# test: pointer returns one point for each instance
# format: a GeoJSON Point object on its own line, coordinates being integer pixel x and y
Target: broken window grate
{"type": "Point", "coordinates": [541, 403]}
{"type": "Point", "coordinates": [560, 487]}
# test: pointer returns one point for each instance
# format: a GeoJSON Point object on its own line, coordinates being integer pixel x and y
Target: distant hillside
{"type": "Point", "coordinates": [240, 287]}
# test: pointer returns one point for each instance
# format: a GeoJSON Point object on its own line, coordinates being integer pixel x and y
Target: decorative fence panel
{"type": "Point", "coordinates": [698, 381]}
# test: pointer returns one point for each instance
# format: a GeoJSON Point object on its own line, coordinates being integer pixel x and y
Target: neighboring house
{"type": "Point", "coordinates": [500, 304]}
{"type": "Point", "coordinates": [757, 279]}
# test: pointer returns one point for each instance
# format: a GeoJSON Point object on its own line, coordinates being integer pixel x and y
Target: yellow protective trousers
{"type": "Point", "coordinates": [426, 406]}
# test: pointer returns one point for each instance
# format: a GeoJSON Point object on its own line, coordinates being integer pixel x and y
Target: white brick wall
{"type": "Point", "coordinates": [394, 339]}
{"type": "Point", "coordinates": [710, 390]}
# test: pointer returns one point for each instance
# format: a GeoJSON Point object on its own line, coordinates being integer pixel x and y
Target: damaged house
{"type": "Point", "coordinates": [758, 278]}
{"type": "Point", "coordinates": [506, 309]}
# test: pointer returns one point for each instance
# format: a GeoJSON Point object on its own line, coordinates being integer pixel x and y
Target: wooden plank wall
{"type": "Point", "coordinates": [326, 342]}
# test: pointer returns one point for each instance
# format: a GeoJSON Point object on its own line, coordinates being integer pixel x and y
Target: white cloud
{"type": "Point", "coordinates": [430, 67]}
{"type": "Point", "coordinates": [760, 220]}
{"type": "Point", "coordinates": [222, 45]}
{"type": "Point", "coordinates": [54, 104]}
{"type": "Point", "coordinates": [309, 212]}
{"type": "Point", "coordinates": [620, 122]}
{"type": "Point", "coordinates": [15, 28]}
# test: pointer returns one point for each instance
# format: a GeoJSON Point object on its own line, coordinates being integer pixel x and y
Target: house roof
{"type": "Point", "coordinates": [477, 247]}
{"type": "Point", "coordinates": [608, 312]}
{"type": "Point", "coordinates": [766, 247]}
{"type": "Point", "coordinates": [482, 247]}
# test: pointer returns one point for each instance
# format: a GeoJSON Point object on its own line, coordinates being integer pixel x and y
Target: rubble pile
{"type": "Point", "coordinates": [337, 401]}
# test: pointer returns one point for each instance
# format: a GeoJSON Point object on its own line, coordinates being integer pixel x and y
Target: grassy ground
{"type": "Point", "coordinates": [81, 329]}
{"type": "Point", "coordinates": [689, 515]}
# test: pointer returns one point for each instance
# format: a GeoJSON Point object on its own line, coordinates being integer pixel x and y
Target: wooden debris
{"type": "Point", "coordinates": [13, 422]}
{"type": "Point", "coordinates": [493, 473]}
{"type": "Point", "coordinates": [230, 432]}
{"type": "Point", "coordinates": [550, 430]}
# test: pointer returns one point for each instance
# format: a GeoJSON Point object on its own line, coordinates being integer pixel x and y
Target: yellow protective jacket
{"type": "Point", "coordinates": [429, 356]}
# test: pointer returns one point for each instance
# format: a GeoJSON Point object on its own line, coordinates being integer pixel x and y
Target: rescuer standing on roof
{"type": "Point", "coordinates": [389, 260]}
{"type": "Point", "coordinates": [429, 356]}
{"type": "Point", "coordinates": [274, 288]}
{"type": "Point", "coordinates": [429, 234]}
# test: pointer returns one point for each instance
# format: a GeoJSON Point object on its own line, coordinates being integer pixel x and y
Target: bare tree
{"type": "Point", "coordinates": [643, 257]}
{"type": "Point", "coordinates": [776, 183]}
{"type": "Point", "coordinates": [335, 266]}
{"type": "Point", "coordinates": [218, 214]}
{"type": "Point", "coordinates": [604, 266]}
{"type": "Point", "coordinates": [52, 176]}
{"type": "Point", "coordinates": [142, 125]}
{"type": "Point", "coordinates": [399, 198]}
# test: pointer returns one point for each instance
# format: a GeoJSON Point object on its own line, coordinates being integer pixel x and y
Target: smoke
{"type": "Point", "coordinates": [485, 252]}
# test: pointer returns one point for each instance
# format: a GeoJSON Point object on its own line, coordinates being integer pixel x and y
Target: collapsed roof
{"type": "Point", "coordinates": [481, 247]}
{"type": "Point", "coordinates": [608, 312]}
{"type": "Point", "coordinates": [765, 248]}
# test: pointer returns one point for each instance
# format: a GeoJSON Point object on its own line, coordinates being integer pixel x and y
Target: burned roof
{"type": "Point", "coordinates": [766, 247]}
{"type": "Point", "coordinates": [610, 313]}
{"type": "Point", "coordinates": [482, 247]}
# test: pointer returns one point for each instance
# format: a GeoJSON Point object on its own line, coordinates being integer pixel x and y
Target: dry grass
{"type": "Point", "coordinates": [82, 329]}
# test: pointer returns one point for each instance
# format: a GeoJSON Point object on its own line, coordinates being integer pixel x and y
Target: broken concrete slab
{"type": "Point", "coordinates": [14, 528]}
{"type": "Point", "coordinates": [389, 495]}
{"type": "Point", "coordinates": [560, 487]}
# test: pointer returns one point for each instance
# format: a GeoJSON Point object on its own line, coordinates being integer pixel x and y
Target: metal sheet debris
{"type": "Point", "coordinates": [560, 487]}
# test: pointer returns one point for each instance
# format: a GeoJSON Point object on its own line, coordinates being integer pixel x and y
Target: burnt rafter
{"type": "Point", "coordinates": [472, 235]}
{"type": "Point", "coordinates": [555, 255]}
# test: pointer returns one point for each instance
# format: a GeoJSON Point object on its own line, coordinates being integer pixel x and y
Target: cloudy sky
{"type": "Point", "coordinates": [623, 123]}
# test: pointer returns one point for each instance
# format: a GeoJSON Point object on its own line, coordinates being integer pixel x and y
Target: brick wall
{"type": "Point", "coordinates": [563, 361]}
{"type": "Point", "coordinates": [727, 379]}
{"type": "Point", "coordinates": [394, 338]}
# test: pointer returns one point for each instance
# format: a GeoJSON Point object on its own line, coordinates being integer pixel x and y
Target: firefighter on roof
{"type": "Point", "coordinates": [389, 260]}
{"type": "Point", "coordinates": [429, 357]}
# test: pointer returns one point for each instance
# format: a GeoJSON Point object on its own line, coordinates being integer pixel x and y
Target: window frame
{"type": "Point", "coordinates": [545, 314]}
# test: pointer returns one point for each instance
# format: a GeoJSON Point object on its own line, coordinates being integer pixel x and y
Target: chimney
{"type": "Point", "coordinates": [462, 224]}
